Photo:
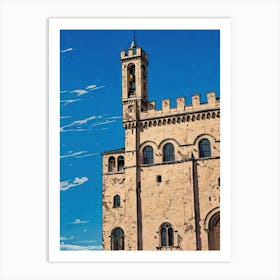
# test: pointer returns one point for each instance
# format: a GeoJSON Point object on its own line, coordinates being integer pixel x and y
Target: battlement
{"type": "Point", "coordinates": [132, 53]}
{"type": "Point", "coordinates": [181, 107]}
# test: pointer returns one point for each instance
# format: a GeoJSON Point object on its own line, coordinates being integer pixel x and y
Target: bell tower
{"type": "Point", "coordinates": [134, 82]}
{"type": "Point", "coordinates": [134, 99]}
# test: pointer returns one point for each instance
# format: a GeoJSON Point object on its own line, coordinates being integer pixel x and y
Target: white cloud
{"type": "Point", "coordinates": [102, 123]}
{"type": "Point", "coordinates": [71, 247]}
{"type": "Point", "coordinates": [78, 221]}
{"type": "Point", "coordinates": [84, 121]}
{"type": "Point", "coordinates": [94, 87]}
{"type": "Point", "coordinates": [84, 241]}
{"type": "Point", "coordinates": [67, 237]}
{"type": "Point", "coordinates": [88, 155]}
{"type": "Point", "coordinates": [80, 154]}
{"type": "Point", "coordinates": [65, 185]}
{"type": "Point", "coordinates": [73, 130]}
{"type": "Point", "coordinates": [73, 154]}
{"type": "Point", "coordinates": [69, 101]}
{"type": "Point", "coordinates": [115, 117]}
{"type": "Point", "coordinates": [91, 86]}
{"type": "Point", "coordinates": [79, 91]}
{"type": "Point", "coordinates": [65, 117]}
{"type": "Point", "coordinates": [67, 50]}
{"type": "Point", "coordinates": [76, 125]}
{"type": "Point", "coordinates": [63, 91]}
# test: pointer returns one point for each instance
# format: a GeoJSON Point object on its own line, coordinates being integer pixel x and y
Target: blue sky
{"type": "Point", "coordinates": [181, 63]}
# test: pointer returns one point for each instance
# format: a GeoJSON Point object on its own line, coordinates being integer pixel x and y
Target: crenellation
{"type": "Point", "coordinates": [180, 102]}
{"type": "Point", "coordinates": [165, 105]}
{"type": "Point", "coordinates": [211, 98]}
{"type": "Point", "coordinates": [181, 106]}
{"type": "Point", "coordinates": [152, 105]}
{"type": "Point", "coordinates": [123, 54]}
{"type": "Point", "coordinates": [196, 101]}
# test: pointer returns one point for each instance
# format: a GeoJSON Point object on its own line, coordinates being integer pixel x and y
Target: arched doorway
{"type": "Point", "coordinates": [117, 239]}
{"type": "Point", "coordinates": [214, 232]}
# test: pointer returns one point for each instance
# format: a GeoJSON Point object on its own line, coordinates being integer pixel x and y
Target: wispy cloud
{"type": "Point", "coordinates": [114, 117]}
{"type": "Point", "coordinates": [71, 247]}
{"type": "Point", "coordinates": [84, 242]}
{"type": "Point", "coordinates": [79, 91]}
{"type": "Point", "coordinates": [64, 91]}
{"type": "Point", "coordinates": [84, 121]}
{"type": "Point", "coordinates": [63, 238]}
{"type": "Point", "coordinates": [80, 154]}
{"type": "Point", "coordinates": [87, 155]}
{"type": "Point", "coordinates": [90, 87]}
{"type": "Point", "coordinates": [74, 130]}
{"type": "Point", "coordinates": [86, 90]}
{"type": "Point", "coordinates": [83, 125]}
{"type": "Point", "coordinates": [67, 50]}
{"type": "Point", "coordinates": [76, 125]}
{"type": "Point", "coordinates": [102, 123]}
{"type": "Point", "coordinates": [65, 117]}
{"type": "Point", "coordinates": [94, 87]}
{"type": "Point", "coordinates": [73, 154]}
{"type": "Point", "coordinates": [69, 101]}
{"type": "Point", "coordinates": [66, 185]}
{"type": "Point", "coordinates": [79, 221]}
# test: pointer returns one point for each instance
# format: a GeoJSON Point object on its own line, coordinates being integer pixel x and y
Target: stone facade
{"type": "Point", "coordinates": [167, 196]}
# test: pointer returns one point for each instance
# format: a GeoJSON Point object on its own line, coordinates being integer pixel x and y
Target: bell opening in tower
{"type": "Point", "coordinates": [131, 75]}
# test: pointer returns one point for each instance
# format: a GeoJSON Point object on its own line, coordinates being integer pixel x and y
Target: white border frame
{"type": "Point", "coordinates": [24, 169]}
{"type": "Point", "coordinates": [55, 25]}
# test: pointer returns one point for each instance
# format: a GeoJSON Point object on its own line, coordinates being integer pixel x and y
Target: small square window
{"type": "Point", "coordinates": [134, 51]}
{"type": "Point", "coordinates": [159, 179]}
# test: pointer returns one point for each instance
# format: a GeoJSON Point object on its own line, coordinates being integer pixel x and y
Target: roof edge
{"type": "Point", "coordinates": [113, 151]}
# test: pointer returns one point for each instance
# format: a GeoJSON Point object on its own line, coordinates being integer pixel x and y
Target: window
{"type": "Point", "coordinates": [117, 239]}
{"type": "Point", "coordinates": [120, 163]}
{"type": "Point", "coordinates": [166, 235]}
{"type": "Point", "coordinates": [117, 201]}
{"type": "Point", "coordinates": [148, 155]}
{"type": "Point", "coordinates": [131, 79]}
{"type": "Point", "coordinates": [111, 164]}
{"type": "Point", "coordinates": [168, 152]}
{"type": "Point", "coordinates": [159, 179]}
{"type": "Point", "coordinates": [204, 148]}
{"type": "Point", "coordinates": [133, 51]}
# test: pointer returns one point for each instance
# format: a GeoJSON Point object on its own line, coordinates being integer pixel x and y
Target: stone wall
{"type": "Point", "coordinates": [173, 199]}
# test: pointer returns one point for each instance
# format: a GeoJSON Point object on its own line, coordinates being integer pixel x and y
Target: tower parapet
{"type": "Point", "coordinates": [213, 103]}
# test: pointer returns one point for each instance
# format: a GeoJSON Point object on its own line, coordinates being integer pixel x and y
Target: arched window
{"type": "Point", "coordinates": [204, 148]}
{"type": "Point", "coordinates": [148, 155]}
{"type": "Point", "coordinates": [117, 239]}
{"type": "Point", "coordinates": [166, 235]}
{"type": "Point", "coordinates": [168, 152]}
{"type": "Point", "coordinates": [120, 163]}
{"type": "Point", "coordinates": [131, 80]}
{"type": "Point", "coordinates": [117, 201]}
{"type": "Point", "coordinates": [111, 164]}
